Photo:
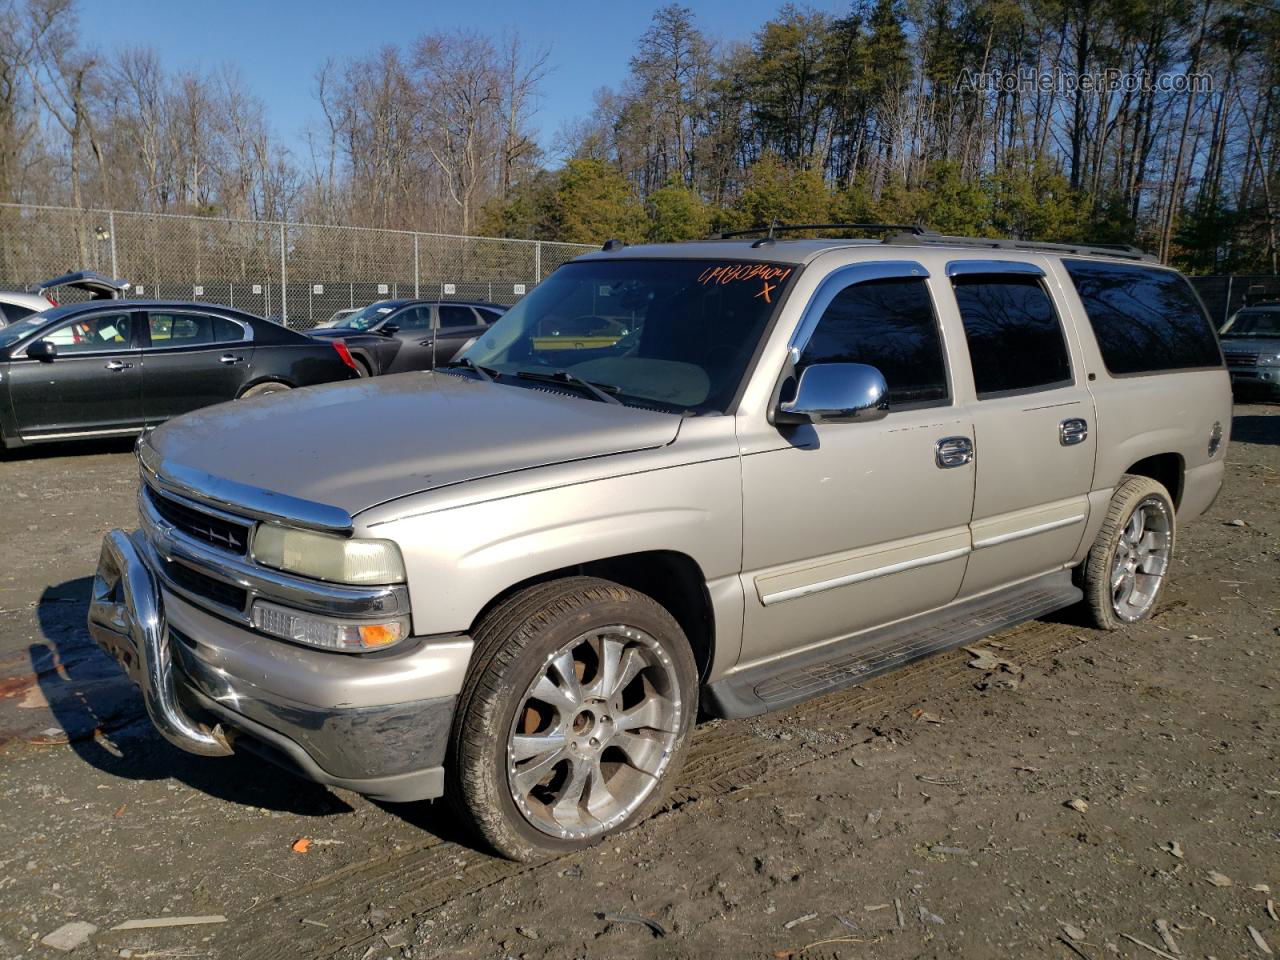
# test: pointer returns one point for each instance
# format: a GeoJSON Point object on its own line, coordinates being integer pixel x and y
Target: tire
{"type": "Point", "coordinates": [1114, 600]}
{"type": "Point", "coordinates": [264, 389]}
{"type": "Point", "coordinates": [503, 730]}
{"type": "Point", "coordinates": [362, 367]}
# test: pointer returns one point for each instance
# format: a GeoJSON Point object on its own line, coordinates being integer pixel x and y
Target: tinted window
{"type": "Point", "coordinates": [110, 331]}
{"type": "Point", "coordinates": [891, 325]}
{"type": "Point", "coordinates": [413, 318]}
{"type": "Point", "coordinates": [191, 330]}
{"type": "Point", "coordinates": [1144, 319]}
{"type": "Point", "coordinates": [1015, 338]}
{"type": "Point", "coordinates": [452, 315]}
{"type": "Point", "coordinates": [488, 316]}
{"type": "Point", "coordinates": [12, 312]}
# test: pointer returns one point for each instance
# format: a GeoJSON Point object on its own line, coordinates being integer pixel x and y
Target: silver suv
{"type": "Point", "coordinates": [713, 478]}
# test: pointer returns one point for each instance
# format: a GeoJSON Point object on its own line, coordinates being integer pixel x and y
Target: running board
{"type": "Point", "coordinates": [813, 672]}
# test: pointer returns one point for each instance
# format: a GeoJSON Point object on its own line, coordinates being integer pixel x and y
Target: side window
{"type": "Point", "coordinates": [180, 329]}
{"type": "Point", "coordinates": [487, 316]}
{"type": "Point", "coordinates": [108, 331]}
{"type": "Point", "coordinates": [227, 331]}
{"type": "Point", "coordinates": [12, 312]}
{"type": "Point", "coordinates": [1015, 338]}
{"type": "Point", "coordinates": [453, 315]}
{"type": "Point", "coordinates": [891, 325]}
{"type": "Point", "coordinates": [1145, 319]}
{"type": "Point", "coordinates": [413, 318]}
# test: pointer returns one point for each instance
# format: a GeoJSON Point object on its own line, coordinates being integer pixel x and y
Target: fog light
{"type": "Point", "coordinates": [327, 633]}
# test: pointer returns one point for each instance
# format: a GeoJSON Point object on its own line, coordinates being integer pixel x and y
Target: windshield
{"type": "Point", "coordinates": [673, 333]}
{"type": "Point", "coordinates": [362, 319]}
{"type": "Point", "coordinates": [1254, 323]}
{"type": "Point", "coordinates": [16, 331]}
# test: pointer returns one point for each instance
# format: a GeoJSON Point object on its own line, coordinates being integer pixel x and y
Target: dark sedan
{"type": "Point", "coordinates": [392, 336]}
{"type": "Point", "coordinates": [115, 367]}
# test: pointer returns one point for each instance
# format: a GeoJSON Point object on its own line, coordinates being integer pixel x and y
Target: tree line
{"type": "Point", "coordinates": [968, 116]}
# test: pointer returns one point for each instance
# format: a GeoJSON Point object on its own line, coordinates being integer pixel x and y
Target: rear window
{"type": "Point", "coordinates": [12, 312]}
{"type": "Point", "coordinates": [1145, 320]}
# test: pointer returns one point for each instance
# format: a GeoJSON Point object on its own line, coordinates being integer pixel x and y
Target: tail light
{"type": "Point", "coordinates": [345, 354]}
{"type": "Point", "coordinates": [51, 300]}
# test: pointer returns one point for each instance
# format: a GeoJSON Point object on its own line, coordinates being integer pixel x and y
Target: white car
{"type": "Point", "coordinates": [15, 306]}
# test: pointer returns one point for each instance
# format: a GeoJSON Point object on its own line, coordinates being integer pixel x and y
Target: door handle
{"type": "Point", "coordinates": [1073, 430]}
{"type": "Point", "coordinates": [117, 365]}
{"type": "Point", "coordinates": [228, 358]}
{"type": "Point", "coordinates": [426, 343]}
{"type": "Point", "coordinates": [953, 452]}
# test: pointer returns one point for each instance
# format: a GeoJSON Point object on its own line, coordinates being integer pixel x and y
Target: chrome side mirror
{"type": "Point", "coordinates": [836, 393]}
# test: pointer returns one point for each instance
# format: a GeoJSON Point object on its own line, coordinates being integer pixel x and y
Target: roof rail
{"type": "Point", "coordinates": [1122, 251]}
{"type": "Point", "coordinates": [770, 230]}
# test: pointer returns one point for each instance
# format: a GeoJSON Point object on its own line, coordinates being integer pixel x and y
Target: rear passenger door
{"type": "Point", "coordinates": [1033, 423]}
{"type": "Point", "coordinates": [192, 359]}
{"type": "Point", "coordinates": [456, 324]}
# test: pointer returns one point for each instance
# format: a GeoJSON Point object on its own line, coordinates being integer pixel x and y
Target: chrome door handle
{"type": "Point", "coordinates": [117, 365]}
{"type": "Point", "coordinates": [953, 452]}
{"type": "Point", "coordinates": [228, 358]}
{"type": "Point", "coordinates": [1073, 430]}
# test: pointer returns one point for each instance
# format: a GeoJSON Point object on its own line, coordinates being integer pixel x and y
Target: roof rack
{"type": "Point", "coordinates": [1122, 251]}
{"type": "Point", "coordinates": [775, 228]}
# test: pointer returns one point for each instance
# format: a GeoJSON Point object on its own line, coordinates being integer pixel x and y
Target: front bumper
{"type": "Point", "coordinates": [1260, 378]}
{"type": "Point", "coordinates": [374, 723]}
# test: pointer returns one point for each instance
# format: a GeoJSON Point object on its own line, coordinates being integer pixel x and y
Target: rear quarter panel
{"type": "Point", "coordinates": [1143, 415]}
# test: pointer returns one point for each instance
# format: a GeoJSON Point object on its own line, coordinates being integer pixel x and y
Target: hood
{"type": "Point", "coordinates": [356, 444]}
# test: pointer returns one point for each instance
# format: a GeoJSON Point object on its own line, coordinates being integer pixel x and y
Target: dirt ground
{"type": "Point", "coordinates": [925, 814]}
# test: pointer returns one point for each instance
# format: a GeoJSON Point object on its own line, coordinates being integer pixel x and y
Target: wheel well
{"type": "Point", "coordinates": [1164, 468]}
{"type": "Point", "coordinates": [257, 383]}
{"type": "Point", "coordinates": [673, 579]}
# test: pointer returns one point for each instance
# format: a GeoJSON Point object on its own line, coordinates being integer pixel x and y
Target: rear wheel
{"type": "Point", "coordinates": [263, 389]}
{"type": "Point", "coordinates": [362, 367]}
{"type": "Point", "coordinates": [574, 719]}
{"type": "Point", "coordinates": [1129, 561]}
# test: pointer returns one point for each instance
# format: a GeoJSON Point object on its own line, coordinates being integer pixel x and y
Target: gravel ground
{"type": "Point", "coordinates": [1099, 787]}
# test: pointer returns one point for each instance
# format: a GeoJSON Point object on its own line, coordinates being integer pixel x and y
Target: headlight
{"type": "Point", "coordinates": [328, 633]}
{"type": "Point", "coordinates": [326, 557]}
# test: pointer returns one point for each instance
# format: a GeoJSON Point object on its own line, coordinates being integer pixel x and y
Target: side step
{"type": "Point", "coordinates": [811, 673]}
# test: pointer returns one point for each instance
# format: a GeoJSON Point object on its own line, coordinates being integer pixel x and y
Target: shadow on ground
{"type": "Point", "coordinates": [103, 719]}
{"type": "Point", "coordinates": [1256, 429]}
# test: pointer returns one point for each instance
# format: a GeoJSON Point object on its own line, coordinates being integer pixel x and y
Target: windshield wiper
{"type": "Point", "coordinates": [486, 373]}
{"type": "Point", "coordinates": [601, 391]}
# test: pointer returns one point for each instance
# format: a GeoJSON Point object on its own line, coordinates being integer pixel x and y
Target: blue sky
{"type": "Point", "coordinates": [277, 44]}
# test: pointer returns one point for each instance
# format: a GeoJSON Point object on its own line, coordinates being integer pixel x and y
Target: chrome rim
{"type": "Point", "coordinates": [1141, 559]}
{"type": "Point", "coordinates": [594, 732]}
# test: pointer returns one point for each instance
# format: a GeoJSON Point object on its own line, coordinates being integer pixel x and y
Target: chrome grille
{"type": "Point", "coordinates": [217, 530]}
{"type": "Point", "coordinates": [1238, 359]}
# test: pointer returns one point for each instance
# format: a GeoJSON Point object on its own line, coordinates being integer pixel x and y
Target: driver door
{"type": "Point", "coordinates": [848, 526]}
{"type": "Point", "coordinates": [413, 331]}
{"type": "Point", "coordinates": [92, 387]}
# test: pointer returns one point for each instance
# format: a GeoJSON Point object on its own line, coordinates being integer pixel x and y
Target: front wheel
{"type": "Point", "coordinates": [574, 719]}
{"type": "Point", "coordinates": [1129, 561]}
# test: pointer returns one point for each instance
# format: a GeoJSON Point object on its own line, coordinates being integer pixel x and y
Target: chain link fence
{"type": "Point", "coordinates": [1224, 295]}
{"type": "Point", "coordinates": [300, 273]}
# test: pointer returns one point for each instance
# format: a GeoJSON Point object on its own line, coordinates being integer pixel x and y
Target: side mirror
{"type": "Point", "coordinates": [42, 350]}
{"type": "Point", "coordinates": [836, 393]}
{"type": "Point", "coordinates": [387, 329]}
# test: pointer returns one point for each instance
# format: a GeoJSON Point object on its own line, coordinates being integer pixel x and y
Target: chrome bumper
{"type": "Point", "coordinates": [126, 618]}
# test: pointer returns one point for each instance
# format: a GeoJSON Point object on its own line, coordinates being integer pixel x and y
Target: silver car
{"type": "Point", "coordinates": [705, 479]}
